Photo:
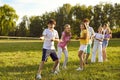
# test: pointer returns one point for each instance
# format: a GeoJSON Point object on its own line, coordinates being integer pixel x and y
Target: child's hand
{"type": "Point", "coordinates": [41, 38]}
{"type": "Point", "coordinates": [53, 39]}
{"type": "Point", "coordinates": [60, 40]}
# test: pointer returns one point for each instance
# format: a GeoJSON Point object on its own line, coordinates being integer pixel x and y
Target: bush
{"type": "Point", "coordinates": [116, 33]}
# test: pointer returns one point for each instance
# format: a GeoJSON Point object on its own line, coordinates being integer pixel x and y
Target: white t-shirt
{"type": "Point", "coordinates": [91, 32]}
{"type": "Point", "coordinates": [48, 36]}
{"type": "Point", "coordinates": [98, 36]}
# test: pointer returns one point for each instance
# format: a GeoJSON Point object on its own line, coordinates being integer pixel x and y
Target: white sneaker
{"type": "Point", "coordinates": [64, 67]}
{"type": "Point", "coordinates": [55, 72]}
{"type": "Point", "coordinates": [79, 69]}
{"type": "Point", "coordinates": [58, 70]}
{"type": "Point", "coordinates": [38, 76]}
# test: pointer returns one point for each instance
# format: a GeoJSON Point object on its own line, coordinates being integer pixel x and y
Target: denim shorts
{"type": "Point", "coordinates": [46, 53]}
{"type": "Point", "coordinates": [105, 43]}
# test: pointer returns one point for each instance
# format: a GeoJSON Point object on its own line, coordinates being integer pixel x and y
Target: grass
{"type": "Point", "coordinates": [19, 60]}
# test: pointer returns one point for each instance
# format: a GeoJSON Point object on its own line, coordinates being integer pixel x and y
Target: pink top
{"type": "Point", "coordinates": [65, 40]}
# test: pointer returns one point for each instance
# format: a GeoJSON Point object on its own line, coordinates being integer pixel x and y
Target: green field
{"type": "Point", "coordinates": [19, 60]}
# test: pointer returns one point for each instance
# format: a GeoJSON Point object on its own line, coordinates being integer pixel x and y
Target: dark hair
{"type": "Point", "coordinates": [52, 21]}
{"type": "Point", "coordinates": [86, 20]}
{"type": "Point", "coordinates": [83, 25]}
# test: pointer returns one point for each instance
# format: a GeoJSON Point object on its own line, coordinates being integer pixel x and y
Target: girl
{"type": "Point", "coordinates": [107, 36]}
{"type": "Point", "coordinates": [62, 45]}
{"type": "Point", "coordinates": [98, 38]}
{"type": "Point", "coordinates": [84, 38]}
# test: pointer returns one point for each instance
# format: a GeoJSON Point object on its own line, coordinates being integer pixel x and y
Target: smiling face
{"type": "Point", "coordinates": [67, 28]}
{"type": "Point", "coordinates": [105, 26]}
{"type": "Point", "coordinates": [86, 23]}
{"type": "Point", "coordinates": [82, 26]}
{"type": "Point", "coordinates": [51, 26]}
{"type": "Point", "coordinates": [100, 30]}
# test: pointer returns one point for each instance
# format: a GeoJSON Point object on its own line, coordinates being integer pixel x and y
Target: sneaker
{"type": "Point", "coordinates": [54, 72]}
{"type": "Point", "coordinates": [64, 67]}
{"type": "Point", "coordinates": [38, 77]}
{"type": "Point", "coordinates": [58, 70]}
{"type": "Point", "coordinates": [79, 69]}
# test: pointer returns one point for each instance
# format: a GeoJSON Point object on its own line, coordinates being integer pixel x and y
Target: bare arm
{"type": "Point", "coordinates": [55, 39]}
{"type": "Point", "coordinates": [41, 38]}
{"type": "Point", "coordinates": [99, 39]}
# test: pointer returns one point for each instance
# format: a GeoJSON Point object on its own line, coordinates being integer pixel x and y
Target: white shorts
{"type": "Point", "coordinates": [83, 48]}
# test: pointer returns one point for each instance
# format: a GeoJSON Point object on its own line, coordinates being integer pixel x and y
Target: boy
{"type": "Point", "coordinates": [49, 35]}
{"type": "Point", "coordinates": [91, 35]}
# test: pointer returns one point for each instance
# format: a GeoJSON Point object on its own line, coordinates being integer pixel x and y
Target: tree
{"type": "Point", "coordinates": [63, 17]}
{"type": "Point", "coordinates": [8, 18]}
{"type": "Point", "coordinates": [22, 28]}
{"type": "Point", "coordinates": [36, 26]}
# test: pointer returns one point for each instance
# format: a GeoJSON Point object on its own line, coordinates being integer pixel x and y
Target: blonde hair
{"type": "Point", "coordinates": [68, 33]}
{"type": "Point", "coordinates": [66, 25]}
{"type": "Point", "coordinates": [100, 28]}
{"type": "Point", "coordinates": [108, 28]}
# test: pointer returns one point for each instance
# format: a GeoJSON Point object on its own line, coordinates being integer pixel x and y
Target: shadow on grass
{"type": "Point", "coordinates": [20, 46]}
{"type": "Point", "coordinates": [26, 72]}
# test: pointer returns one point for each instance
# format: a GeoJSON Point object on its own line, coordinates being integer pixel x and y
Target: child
{"type": "Point", "coordinates": [98, 38]}
{"type": "Point", "coordinates": [91, 35]}
{"type": "Point", "coordinates": [84, 38]}
{"type": "Point", "coordinates": [107, 36]}
{"type": "Point", "coordinates": [49, 35]}
{"type": "Point", "coordinates": [62, 45]}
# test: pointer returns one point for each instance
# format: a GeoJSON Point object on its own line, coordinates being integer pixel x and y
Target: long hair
{"type": "Point", "coordinates": [84, 25]}
{"type": "Point", "coordinates": [67, 33]}
{"type": "Point", "coordinates": [108, 28]}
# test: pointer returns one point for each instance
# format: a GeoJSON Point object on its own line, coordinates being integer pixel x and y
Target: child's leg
{"type": "Point", "coordinates": [104, 46]}
{"type": "Point", "coordinates": [41, 67]}
{"type": "Point", "coordinates": [43, 61]}
{"type": "Point", "coordinates": [66, 57]}
{"type": "Point", "coordinates": [80, 55]}
{"type": "Point", "coordinates": [55, 65]}
{"type": "Point", "coordinates": [95, 46]}
{"type": "Point", "coordinates": [88, 52]}
{"type": "Point", "coordinates": [55, 59]}
{"type": "Point", "coordinates": [59, 52]}
{"type": "Point", "coordinates": [104, 53]}
{"type": "Point", "coordinates": [59, 56]}
{"type": "Point", "coordinates": [100, 57]}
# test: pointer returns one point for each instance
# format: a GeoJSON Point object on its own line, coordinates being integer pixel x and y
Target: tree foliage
{"type": "Point", "coordinates": [8, 18]}
{"type": "Point", "coordinates": [66, 14]}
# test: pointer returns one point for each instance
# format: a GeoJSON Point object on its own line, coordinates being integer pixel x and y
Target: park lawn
{"type": "Point", "coordinates": [19, 60]}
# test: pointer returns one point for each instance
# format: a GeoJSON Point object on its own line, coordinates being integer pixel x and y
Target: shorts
{"type": "Point", "coordinates": [46, 53]}
{"type": "Point", "coordinates": [88, 50]}
{"type": "Point", "coordinates": [83, 48]}
{"type": "Point", "coordinates": [105, 43]}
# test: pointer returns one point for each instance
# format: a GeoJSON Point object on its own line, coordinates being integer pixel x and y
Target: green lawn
{"type": "Point", "coordinates": [19, 60]}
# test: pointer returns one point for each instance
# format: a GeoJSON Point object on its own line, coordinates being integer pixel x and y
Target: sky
{"type": "Point", "coordinates": [39, 7]}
